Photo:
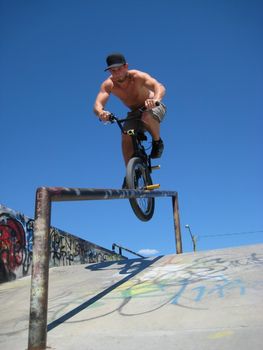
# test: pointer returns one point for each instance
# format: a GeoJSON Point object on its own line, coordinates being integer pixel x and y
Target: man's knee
{"type": "Point", "coordinates": [147, 117]}
{"type": "Point", "coordinates": [155, 115]}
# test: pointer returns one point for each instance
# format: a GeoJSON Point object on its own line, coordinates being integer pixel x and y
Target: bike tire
{"type": "Point", "coordinates": [137, 177]}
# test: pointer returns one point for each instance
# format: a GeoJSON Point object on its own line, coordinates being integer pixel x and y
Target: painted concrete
{"type": "Point", "coordinates": [204, 300]}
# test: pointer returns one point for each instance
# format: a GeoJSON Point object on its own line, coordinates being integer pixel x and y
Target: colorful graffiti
{"type": "Point", "coordinates": [16, 246]}
{"type": "Point", "coordinates": [190, 285]}
{"type": "Point", "coordinates": [193, 284]}
{"type": "Point", "coordinates": [170, 282]}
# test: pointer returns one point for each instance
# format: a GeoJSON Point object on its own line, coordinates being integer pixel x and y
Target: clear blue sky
{"type": "Point", "coordinates": [208, 54]}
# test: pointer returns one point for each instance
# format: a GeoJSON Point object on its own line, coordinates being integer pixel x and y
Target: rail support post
{"type": "Point", "coordinates": [177, 229]}
{"type": "Point", "coordinates": [37, 336]}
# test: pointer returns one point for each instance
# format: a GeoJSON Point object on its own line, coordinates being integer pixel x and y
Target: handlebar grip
{"type": "Point", "coordinates": [112, 118]}
{"type": "Point", "coordinates": [157, 103]}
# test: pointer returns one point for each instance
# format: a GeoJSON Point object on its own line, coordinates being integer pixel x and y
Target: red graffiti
{"type": "Point", "coordinates": [12, 242]}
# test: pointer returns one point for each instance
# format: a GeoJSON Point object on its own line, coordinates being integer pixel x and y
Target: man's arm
{"type": "Point", "coordinates": [156, 87]}
{"type": "Point", "coordinates": [101, 100]}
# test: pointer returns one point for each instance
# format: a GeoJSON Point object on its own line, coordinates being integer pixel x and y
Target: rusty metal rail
{"type": "Point", "coordinates": [114, 245]}
{"type": "Point", "coordinates": [37, 336]}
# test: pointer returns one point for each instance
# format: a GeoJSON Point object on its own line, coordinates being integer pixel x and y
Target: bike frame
{"type": "Point", "coordinates": [139, 150]}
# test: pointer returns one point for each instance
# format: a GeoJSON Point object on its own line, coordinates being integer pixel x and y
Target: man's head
{"type": "Point", "coordinates": [118, 67]}
{"type": "Point", "coordinates": [115, 60]}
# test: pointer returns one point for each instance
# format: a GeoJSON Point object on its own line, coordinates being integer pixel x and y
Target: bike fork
{"type": "Point", "coordinates": [150, 167]}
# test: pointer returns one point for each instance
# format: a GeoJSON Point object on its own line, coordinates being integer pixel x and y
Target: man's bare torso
{"type": "Point", "coordinates": [132, 92]}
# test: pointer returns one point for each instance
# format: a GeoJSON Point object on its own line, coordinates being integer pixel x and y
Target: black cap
{"type": "Point", "coordinates": [115, 60]}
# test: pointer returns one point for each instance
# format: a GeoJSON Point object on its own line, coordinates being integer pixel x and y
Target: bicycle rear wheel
{"type": "Point", "coordinates": [137, 177]}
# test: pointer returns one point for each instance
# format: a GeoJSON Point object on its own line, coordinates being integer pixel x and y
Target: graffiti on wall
{"type": "Point", "coordinates": [66, 249]}
{"type": "Point", "coordinates": [16, 235]}
{"type": "Point", "coordinates": [16, 247]}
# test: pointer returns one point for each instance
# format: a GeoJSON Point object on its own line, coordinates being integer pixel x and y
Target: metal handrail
{"type": "Point", "coordinates": [114, 245]}
{"type": "Point", "coordinates": [37, 336]}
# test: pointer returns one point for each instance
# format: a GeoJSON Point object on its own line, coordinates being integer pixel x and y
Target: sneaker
{"type": "Point", "coordinates": [157, 149]}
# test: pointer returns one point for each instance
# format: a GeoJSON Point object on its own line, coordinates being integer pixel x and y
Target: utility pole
{"type": "Point", "coordinates": [193, 237]}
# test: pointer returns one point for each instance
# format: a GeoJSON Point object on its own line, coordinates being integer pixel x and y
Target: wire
{"type": "Point", "coordinates": [230, 234]}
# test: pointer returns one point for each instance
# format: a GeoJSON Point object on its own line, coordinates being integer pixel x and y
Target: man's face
{"type": "Point", "coordinates": [119, 73]}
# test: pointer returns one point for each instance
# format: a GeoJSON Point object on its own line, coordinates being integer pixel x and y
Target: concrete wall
{"type": "Point", "coordinates": [16, 244]}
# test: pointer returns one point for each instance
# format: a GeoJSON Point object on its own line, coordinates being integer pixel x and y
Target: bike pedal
{"type": "Point", "coordinates": [156, 167]}
{"type": "Point", "coordinates": [152, 187]}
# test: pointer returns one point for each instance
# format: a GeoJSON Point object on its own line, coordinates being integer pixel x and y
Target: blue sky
{"type": "Point", "coordinates": [208, 54]}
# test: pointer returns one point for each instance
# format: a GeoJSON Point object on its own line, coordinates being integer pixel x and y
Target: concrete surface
{"type": "Point", "coordinates": [204, 300]}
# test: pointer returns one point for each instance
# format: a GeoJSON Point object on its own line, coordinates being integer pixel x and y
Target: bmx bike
{"type": "Point", "coordinates": [138, 170]}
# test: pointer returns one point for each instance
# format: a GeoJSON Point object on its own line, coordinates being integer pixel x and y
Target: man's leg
{"type": "Point", "coordinates": [153, 126]}
{"type": "Point", "coordinates": [127, 148]}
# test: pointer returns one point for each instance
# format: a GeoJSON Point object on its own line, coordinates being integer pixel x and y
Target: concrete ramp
{"type": "Point", "coordinates": [205, 300]}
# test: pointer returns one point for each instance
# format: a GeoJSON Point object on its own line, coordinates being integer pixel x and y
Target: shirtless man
{"type": "Point", "coordinates": [136, 90]}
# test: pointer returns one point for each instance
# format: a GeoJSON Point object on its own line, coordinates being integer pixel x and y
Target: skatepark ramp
{"type": "Point", "coordinates": [40, 267]}
{"type": "Point", "coordinates": [203, 300]}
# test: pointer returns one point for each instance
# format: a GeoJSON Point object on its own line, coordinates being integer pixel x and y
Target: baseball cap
{"type": "Point", "coordinates": [115, 60]}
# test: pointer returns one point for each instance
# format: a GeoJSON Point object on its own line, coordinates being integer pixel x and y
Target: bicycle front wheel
{"type": "Point", "coordinates": [137, 177]}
